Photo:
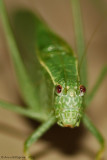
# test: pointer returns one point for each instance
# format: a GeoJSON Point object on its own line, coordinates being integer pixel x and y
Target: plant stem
{"type": "Point", "coordinates": [80, 42]}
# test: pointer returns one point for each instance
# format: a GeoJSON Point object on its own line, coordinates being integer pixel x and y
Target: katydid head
{"type": "Point", "coordinates": [68, 105]}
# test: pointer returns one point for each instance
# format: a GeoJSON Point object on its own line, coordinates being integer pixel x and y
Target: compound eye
{"type": "Point", "coordinates": [58, 89]}
{"type": "Point", "coordinates": [82, 89]}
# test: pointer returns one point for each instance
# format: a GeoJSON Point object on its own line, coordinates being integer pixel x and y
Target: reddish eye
{"type": "Point", "coordinates": [58, 89]}
{"type": "Point", "coordinates": [82, 89]}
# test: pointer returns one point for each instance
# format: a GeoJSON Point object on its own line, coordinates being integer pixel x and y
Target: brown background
{"type": "Point", "coordinates": [58, 143]}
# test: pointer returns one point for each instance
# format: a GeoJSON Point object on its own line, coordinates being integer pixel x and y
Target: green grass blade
{"type": "Point", "coordinates": [101, 6]}
{"type": "Point", "coordinates": [26, 86]}
{"type": "Point", "coordinates": [80, 42]}
{"type": "Point", "coordinates": [23, 111]}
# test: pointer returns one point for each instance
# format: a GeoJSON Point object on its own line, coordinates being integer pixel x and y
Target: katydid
{"type": "Point", "coordinates": [59, 94]}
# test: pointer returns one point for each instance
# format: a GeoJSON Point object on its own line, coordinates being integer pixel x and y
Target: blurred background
{"type": "Point", "coordinates": [60, 143]}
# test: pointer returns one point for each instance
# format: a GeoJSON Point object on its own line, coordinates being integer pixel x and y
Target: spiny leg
{"type": "Point", "coordinates": [24, 111]}
{"type": "Point", "coordinates": [96, 86]}
{"type": "Point", "coordinates": [88, 123]}
{"type": "Point", "coordinates": [37, 134]}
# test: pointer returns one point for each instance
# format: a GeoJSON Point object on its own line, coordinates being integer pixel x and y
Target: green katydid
{"type": "Point", "coordinates": [60, 95]}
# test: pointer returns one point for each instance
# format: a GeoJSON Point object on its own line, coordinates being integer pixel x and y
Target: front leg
{"type": "Point", "coordinates": [101, 77]}
{"type": "Point", "coordinates": [37, 134]}
{"type": "Point", "coordinates": [87, 122]}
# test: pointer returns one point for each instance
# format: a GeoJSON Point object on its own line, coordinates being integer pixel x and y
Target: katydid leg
{"type": "Point", "coordinates": [88, 123]}
{"type": "Point", "coordinates": [37, 134]}
{"type": "Point", "coordinates": [23, 111]}
{"type": "Point", "coordinates": [101, 77]}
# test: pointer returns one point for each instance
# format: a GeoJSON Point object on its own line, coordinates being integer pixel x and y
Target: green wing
{"type": "Point", "coordinates": [25, 24]}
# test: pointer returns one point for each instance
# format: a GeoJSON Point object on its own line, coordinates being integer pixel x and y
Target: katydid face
{"type": "Point", "coordinates": [68, 105]}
